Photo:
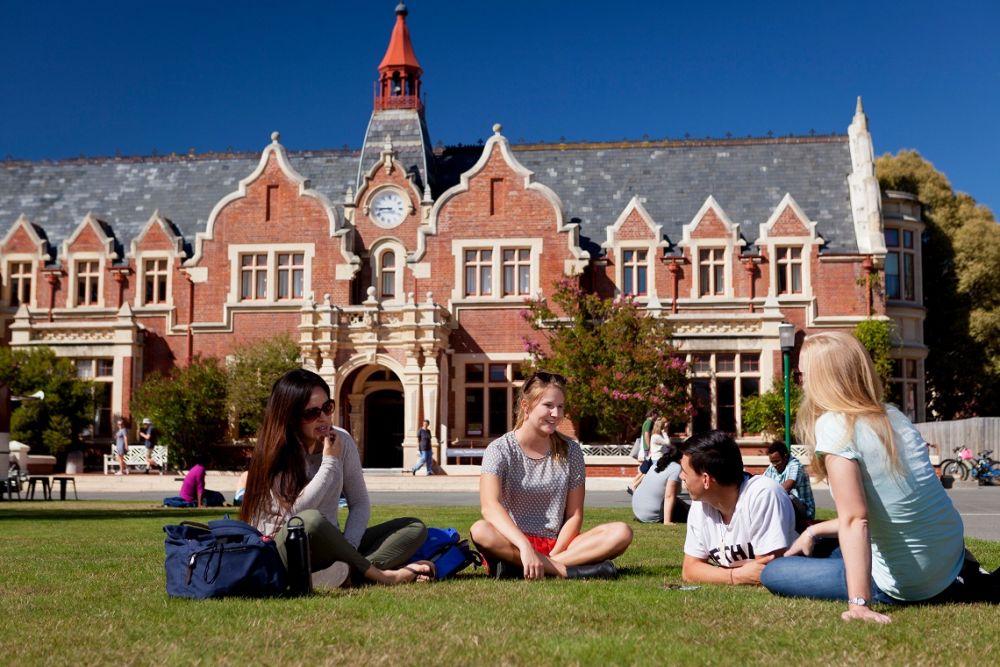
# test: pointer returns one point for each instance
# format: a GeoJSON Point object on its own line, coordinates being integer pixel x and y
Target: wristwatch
{"type": "Point", "coordinates": [859, 602]}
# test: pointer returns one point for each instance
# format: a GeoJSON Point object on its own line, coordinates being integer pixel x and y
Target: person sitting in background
{"type": "Point", "coordinates": [652, 441]}
{"type": "Point", "coordinates": [241, 488]}
{"type": "Point", "coordinates": [787, 471]}
{"type": "Point", "coordinates": [657, 501]}
{"type": "Point", "coordinates": [193, 488]}
{"type": "Point", "coordinates": [737, 522]}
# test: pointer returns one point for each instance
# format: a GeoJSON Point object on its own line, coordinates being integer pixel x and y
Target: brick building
{"type": "Point", "coordinates": [401, 269]}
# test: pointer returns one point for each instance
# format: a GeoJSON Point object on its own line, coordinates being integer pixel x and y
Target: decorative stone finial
{"type": "Point", "coordinates": [275, 136]}
{"type": "Point", "coordinates": [401, 9]}
{"type": "Point", "coordinates": [371, 291]}
{"type": "Point", "coordinates": [497, 127]}
{"type": "Point", "coordinates": [860, 108]}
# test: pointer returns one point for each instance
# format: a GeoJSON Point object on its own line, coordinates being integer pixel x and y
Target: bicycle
{"type": "Point", "coordinates": [985, 469]}
{"type": "Point", "coordinates": [958, 467]}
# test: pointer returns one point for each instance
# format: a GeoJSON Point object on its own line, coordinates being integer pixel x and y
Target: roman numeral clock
{"type": "Point", "coordinates": [388, 208]}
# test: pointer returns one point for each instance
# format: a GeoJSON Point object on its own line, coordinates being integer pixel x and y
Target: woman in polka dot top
{"type": "Point", "coordinates": [531, 491]}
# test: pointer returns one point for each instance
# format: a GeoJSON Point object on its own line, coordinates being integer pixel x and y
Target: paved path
{"type": "Point", "coordinates": [979, 506]}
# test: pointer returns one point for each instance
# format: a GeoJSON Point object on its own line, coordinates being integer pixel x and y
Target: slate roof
{"type": "Point", "coordinates": [594, 181]}
{"type": "Point", "coordinates": [410, 140]}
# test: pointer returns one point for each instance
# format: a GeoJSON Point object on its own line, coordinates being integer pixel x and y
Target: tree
{"type": "Point", "coordinates": [53, 424]}
{"type": "Point", "coordinates": [189, 407]}
{"type": "Point", "coordinates": [251, 374]}
{"type": "Point", "coordinates": [961, 252]}
{"type": "Point", "coordinates": [765, 413]}
{"type": "Point", "coordinates": [620, 362]}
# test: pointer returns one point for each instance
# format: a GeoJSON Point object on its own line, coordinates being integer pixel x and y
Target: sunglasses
{"type": "Point", "coordinates": [546, 377]}
{"type": "Point", "coordinates": [312, 414]}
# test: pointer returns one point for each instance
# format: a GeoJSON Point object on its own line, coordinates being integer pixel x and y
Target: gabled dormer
{"type": "Point", "coordinates": [157, 252]}
{"type": "Point", "coordinates": [634, 244]}
{"type": "Point", "coordinates": [89, 253]}
{"type": "Point", "coordinates": [712, 241]}
{"type": "Point", "coordinates": [24, 250]}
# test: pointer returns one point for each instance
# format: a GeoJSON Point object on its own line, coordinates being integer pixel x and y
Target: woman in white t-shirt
{"type": "Point", "coordinates": [900, 535]}
{"type": "Point", "coordinates": [531, 491]}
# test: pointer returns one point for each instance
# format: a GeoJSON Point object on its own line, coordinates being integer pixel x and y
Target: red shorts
{"type": "Point", "coordinates": [542, 545]}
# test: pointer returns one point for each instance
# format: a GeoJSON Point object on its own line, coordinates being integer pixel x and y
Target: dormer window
{"type": "Point", "coordinates": [712, 271]}
{"type": "Point", "coordinates": [155, 281]}
{"type": "Point", "coordinates": [789, 269]}
{"type": "Point", "coordinates": [20, 282]}
{"type": "Point", "coordinates": [634, 272]}
{"type": "Point", "coordinates": [88, 282]}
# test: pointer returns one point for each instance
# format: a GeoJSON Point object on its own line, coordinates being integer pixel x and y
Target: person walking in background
{"type": "Point", "coordinates": [426, 455]}
{"type": "Point", "coordinates": [901, 539]}
{"type": "Point", "coordinates": [300, 465]}
{"type": "Point", "coordinates": [657, 500]}
{"type": "Point", "coordinates": [149, 437]}
{"type": "Point", "coordinates": [787, 471]}
{"type": "Point", "coordinates": [121, 447]}
{"type": "Point", "coordinates": [531, 493]}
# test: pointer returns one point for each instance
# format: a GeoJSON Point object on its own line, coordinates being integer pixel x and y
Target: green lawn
{"type": "Point", "coordinates": [82, 583]}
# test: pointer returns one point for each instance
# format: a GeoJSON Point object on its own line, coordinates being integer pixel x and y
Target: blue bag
{"type": "Point", "coordinates": [220, 559]}
{"type": "Point", "coordinates": [449, 553]}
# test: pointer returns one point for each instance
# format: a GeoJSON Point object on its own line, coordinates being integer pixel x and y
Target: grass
{"type": "Point", "coordinates": [82, 583]}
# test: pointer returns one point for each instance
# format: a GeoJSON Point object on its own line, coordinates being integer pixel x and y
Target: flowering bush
{"type": "Point", "coordinates": [620, 362]}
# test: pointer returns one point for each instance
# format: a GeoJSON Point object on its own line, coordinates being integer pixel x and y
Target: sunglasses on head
{"type": "Point", "coordinates": [312, 414]}
{"type": "Point", "coordinates": [546, 377]}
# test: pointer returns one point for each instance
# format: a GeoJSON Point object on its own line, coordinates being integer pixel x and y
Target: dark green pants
{"type": "Point", "coordinates": [387, 545]}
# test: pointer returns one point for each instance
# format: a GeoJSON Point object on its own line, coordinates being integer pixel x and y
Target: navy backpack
{"type": "Point", "coordinates": [448, 551]}
{"type": "Point", "coordinates": [219, 559]}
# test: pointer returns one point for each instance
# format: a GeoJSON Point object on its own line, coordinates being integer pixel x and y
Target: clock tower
{"type": "Point", "coordinates": [398, 109]}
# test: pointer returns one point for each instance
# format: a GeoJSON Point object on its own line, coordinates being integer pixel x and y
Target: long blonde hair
{"type": "Point", "coordinates": [839, 376]}
{"type": "Point", "coordinates": [658, 426]}
{"type": "Point", "coordinates": [531, 393]}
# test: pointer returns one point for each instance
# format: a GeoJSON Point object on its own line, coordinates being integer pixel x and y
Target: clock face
{"type": "Point", "coordinates": [387, 208]}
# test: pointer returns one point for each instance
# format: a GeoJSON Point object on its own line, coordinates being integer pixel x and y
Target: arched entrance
{"type": "Point", "coordinates": [384, 429]}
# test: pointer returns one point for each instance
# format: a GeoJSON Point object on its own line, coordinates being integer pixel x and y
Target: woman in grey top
{"type": "Point", "coordinates": [531, 491]}
{"type": "Point", "coordinates": [300, 466]}
{"type": "Point", "coordinates": [656, 500]}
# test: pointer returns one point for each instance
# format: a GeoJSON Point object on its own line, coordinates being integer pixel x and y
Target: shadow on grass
{"type": "Point", "coordinates": [104, 514]}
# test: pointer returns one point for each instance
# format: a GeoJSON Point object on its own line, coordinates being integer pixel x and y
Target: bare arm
{"type": "Point", "coordinates": [852, 512]}
{"type": "Point", "coordinates": [698, 570]}
{"type": "Point", "coordinates": [669, 498]}
{"type": "Point", "coordinates": [573, 520]}
{"type": "Point", "coordinates": [788, 485]}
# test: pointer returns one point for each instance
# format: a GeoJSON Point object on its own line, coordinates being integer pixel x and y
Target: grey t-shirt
{"type": "Point", "coordinates": [647, 500]}
{"type": "Point", "coordinates": [534, 491]}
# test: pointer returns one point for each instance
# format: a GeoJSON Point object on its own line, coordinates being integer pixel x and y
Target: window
{"type": "Point", "coordinates": [721, 381]}
{"type": "Point", "coordinates": [101, 373]}
{"type": "Point", "coordinates": [155, 280]}
{"type": "Point", "coordinates": [478, 272]}
{"type": "Point", "coordinates": [634, 270]}
{"type": "Point", "coordinates": [900, 264]}
{"type": "Point", "coordinates": [387, 275]}
{"type": "Point", "coordinates": [711, 271]}
{"type": "Point", "coordinates": [903, 386]}
{"type": "Point", "coordinates": [789, 268]}
{"type": "Point", "coordinates": [291, 274]}
{"type": "Point", "coordinates": [20, 282]}
{"type": "Point", "coordinates": [490, 397]}
{"type": "Point", "coordinates": [516, 271]}
{"type": "Point", "coordinates": [253, 276]}
{"type": "Point", "coordinates": [88, 281]}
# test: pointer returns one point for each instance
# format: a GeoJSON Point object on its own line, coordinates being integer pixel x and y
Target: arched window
{"type": "Point", "coordinates": [387, 274]}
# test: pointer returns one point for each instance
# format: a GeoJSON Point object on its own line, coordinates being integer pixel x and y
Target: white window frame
{"type": "Point", "coordinates": [140, 288]}
{"type": "Point", "coordinates": [901, 251]}
{"type": "Point", "coordinates": [714, 262]}
{"type": "Point", "coordinates": [786, 265]}
{"type": "Point", "coordinates": [8, 278]}
{"type": "Point", "coordinates": [737, 375]}
{"type": "Point", "coordinates": [497, 246]}
{"type": "Point", "coordinates": [377, 254]}
{"type": "Point", "coordinates": [461, 386]}
{"type": "Point", "coordinates": [236, 251]}
{"type": "Point", "coordinates": [74, 264]}
{"type": "Point", "coordinates": [770, 244]}
{"type": "Point", "coordinates": [646, 264]}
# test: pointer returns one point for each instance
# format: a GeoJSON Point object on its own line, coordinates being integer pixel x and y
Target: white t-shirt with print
{"type": "Point", "coordinates": [763, 521]}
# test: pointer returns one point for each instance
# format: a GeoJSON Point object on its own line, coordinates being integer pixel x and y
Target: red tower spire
{"type": "Point", "coordinates": [398, 85]}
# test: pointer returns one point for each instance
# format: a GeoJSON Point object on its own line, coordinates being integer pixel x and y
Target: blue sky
{"type": "Point", "coordinates": [103, 76]}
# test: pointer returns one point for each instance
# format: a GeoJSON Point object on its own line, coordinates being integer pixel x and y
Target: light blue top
{"type": "Point", "coordinates": [916, 533]}
{"type": "Point", "coordinates": [647, 499]}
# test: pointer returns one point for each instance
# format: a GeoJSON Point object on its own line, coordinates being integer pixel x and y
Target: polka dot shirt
{"type": "Point", "coordinates": [534, 491]}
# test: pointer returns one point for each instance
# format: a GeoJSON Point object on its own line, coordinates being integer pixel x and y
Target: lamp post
{"type": "Point", "coordinates": [786, 337]}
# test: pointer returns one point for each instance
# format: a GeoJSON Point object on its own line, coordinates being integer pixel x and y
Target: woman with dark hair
{"type": "Point", "coordinates": [531, 491]}
{"type": "Point", "coordinates": [301, 464]}
{"type": "Point", "coordinates": [656, 500]}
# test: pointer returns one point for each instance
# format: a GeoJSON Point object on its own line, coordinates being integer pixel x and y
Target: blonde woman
{"type": "Point", "coordinates": [657, 440]}
{"type": "Point", "coordinates": [531, 491]}
{"type": "Point", "coordinates": [900, 536]}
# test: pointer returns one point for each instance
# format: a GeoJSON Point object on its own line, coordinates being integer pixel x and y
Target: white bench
{"type": "Point", "coordinates": [135, 457]}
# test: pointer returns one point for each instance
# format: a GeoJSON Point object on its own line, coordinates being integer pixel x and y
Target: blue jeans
{"type": "Point", "coordinates": [818, 578]}
{"type": "Point", "coordinates": [426, 459]}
